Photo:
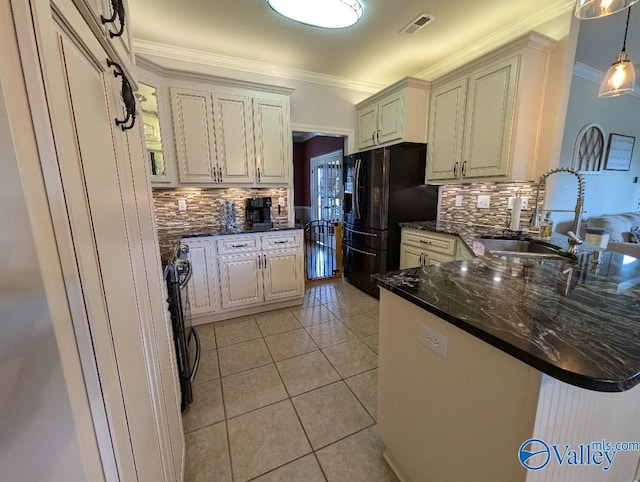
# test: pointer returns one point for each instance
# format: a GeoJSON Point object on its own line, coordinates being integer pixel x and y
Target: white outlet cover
{"type": "Point", "coordinates": [182, 204]}
{"type": "Point", "coordinates": [525, 202]}
{"type": "Point", "coordinates": [281, 201]}
{"type": "Point", "coordinates": [484, 202]}
{"type": "Point", "coordinates": [433, 340]}
{"type": "Point", "coordinates": [458, 201]}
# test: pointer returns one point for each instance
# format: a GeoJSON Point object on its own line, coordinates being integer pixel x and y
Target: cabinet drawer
{"type": "Point", "coordinates": [432, 242]}
{"type": "Point", "coordinates": [289, 240]}
{"type": "Point", "coordinates": [244, 244]}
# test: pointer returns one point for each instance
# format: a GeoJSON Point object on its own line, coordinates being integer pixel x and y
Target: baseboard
{"type": "Point", "coordinates": [395, 466]}
{"type": "Point", "coordinates": [250, 310]}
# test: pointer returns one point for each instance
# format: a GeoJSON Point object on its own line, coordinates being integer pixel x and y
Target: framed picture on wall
{"type": "Point", "coordinates": [619, 152]}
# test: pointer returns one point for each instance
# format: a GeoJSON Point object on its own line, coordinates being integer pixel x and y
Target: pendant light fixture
{"type": "Point", "coordinates": [320, 13]}
{"type": "Point", "coordinates": [621, 76]}
{"type": "Point", "coordinates": [589, 9]}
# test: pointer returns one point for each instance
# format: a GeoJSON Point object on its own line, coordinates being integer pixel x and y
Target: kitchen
{"type": "Point", "coordinates": [50, 240]}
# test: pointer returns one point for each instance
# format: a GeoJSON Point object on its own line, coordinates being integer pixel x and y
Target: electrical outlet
{"type": "Point", "coordinates": [281, 201]}
{"type": "Point", "coordinates": [458, 201]}
{"type": "Point", "coordinates": [484, 202]}
{"type": "Point", "coordinates": [433, 340]}
{"type": "Point", "coordinates": [182, 204]}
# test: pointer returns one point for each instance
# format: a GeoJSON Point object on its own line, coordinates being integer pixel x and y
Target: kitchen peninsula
{"type": "Point", "coordinates": [531, 349]}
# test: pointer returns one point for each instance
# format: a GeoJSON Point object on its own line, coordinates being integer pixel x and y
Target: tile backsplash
{"type": "Point", "coordinates": [496, 215]}
{"type": "Point", "coordinates": [203, 214]}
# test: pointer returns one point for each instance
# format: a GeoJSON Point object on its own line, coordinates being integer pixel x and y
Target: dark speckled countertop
{"type": "Point", "coordinates": [242, 229]}
{"type": "Point", "coordinates": [562, 317]}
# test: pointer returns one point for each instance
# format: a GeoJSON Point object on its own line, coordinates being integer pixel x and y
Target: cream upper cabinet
{"type": "Point", "coordinates": [484, 118]}
{"type": "Point", "coordinates": [194, 135]}
{"type": "Point", "coordinates": [367, 126]}
{"type": "Point", "coordinates": [489, 120]}
{"type": "Point", "coordinates": [396, 114]}
{"type": "Point", "coordinates": [109, 20]}
{"type": "Point", "coordinates": [234, 139]}
{"type": "Point", "coordinates": [446, 126]}
{"type": "Point", "coordinates": [231, 135]}
{"type": "Point", "coordinates": [154, 111]}
{"type": "Point", "coordinates": [272, 140]}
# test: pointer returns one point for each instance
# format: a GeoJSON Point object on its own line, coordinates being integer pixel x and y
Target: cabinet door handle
{"type": "Point", "coordinates": [265, 260]}
{"type": "Point", "coordinates": [118, 12]}
{"type": "Point", "coordinates": [425, 242]}
{"type": "Point", "coordinates": [421, 255]}
{"type": "Point", "coordinates": [464, 168]}
{"type": "Point", "coordinates": [239, 245]}
{"type": "Point", "coordinates": [220, 174]}
{"type": "Point", "coordinates": [373, 137]}
{"type": "Point", "coordinates": [259, 262]}
{"type": "Point", "coordinates": [280, 242]}
{"type": "Point", "coordinates": [258, 174]}
{"type": "Point", "coordinates": [215, 174]}
{"type": "Point", "coordinates": [378, 137]}
{"type": "Point", "coordinates": [127, 96]}
{"type": "Point", "coordinates": [425, 260]}
{"type": "Point", "coordinates": [455, 169]}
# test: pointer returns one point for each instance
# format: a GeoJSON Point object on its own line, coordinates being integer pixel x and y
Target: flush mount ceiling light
{"type": "Point", "coordinates": [589, 9]}
{"type": "Point", "coordinates": [621, 76]}
{"type": "Point", "coordinates": [320, 13]}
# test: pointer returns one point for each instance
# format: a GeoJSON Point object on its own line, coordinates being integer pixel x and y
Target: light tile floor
{"type": "Point", "coordinates": [289, 395]}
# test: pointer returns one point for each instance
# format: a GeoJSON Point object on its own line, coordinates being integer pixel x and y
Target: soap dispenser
{"type": "Point", "coordinates": [546, 226]}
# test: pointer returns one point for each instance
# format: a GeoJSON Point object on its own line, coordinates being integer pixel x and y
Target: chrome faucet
{"type": "Point", "coordinates": [574, 239]}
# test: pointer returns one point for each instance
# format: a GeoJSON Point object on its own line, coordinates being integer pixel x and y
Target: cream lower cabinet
{"type": "Point", "coordinates": [423, 248]}
{"type": "Point", "coordinates": [244, 274]}
{"type": "Point", "coordinates": [241, 281]}
{"type": "Point", "coordinates": [202, 287]}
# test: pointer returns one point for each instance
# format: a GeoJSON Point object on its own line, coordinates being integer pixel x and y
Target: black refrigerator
{"type": "Point", "coordinates": [382, 187]}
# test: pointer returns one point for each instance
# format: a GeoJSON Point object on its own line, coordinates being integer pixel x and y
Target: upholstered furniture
{"type": "Point", "coordinates": [621, 227]}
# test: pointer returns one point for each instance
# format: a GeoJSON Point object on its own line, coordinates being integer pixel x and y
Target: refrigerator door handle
{"type": "Point", "coordinates": [356, 189]}
{"type": "Point", "coordinates": [362, 252]}
{"type": "Point", "coordinates": [361, 232]}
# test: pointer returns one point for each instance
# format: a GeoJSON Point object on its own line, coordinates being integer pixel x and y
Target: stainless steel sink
{"type": "Point", "coordinates": [530, 248]}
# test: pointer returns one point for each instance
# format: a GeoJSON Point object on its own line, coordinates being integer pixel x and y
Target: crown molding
{"type": "Point", "coordinates": [587, 72]}
{"type": "Point", "coordinates": [490, 42]}
{"type": "Point", "coordinates": [172, 52]}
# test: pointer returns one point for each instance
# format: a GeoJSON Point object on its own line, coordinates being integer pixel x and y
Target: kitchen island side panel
{"type": "Point", "coordinates": [459, 418]}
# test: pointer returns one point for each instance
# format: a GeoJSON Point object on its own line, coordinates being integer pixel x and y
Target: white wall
{"type": "Point", "coordinates": [608, 191]}
{"type": "Point", "coordinates": [38, 439]}
{"type": "Point", "coordinates": [311, 103]}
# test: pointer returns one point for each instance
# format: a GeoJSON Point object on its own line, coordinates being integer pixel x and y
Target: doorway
{"type": "Point", "coordinates": [318, 201]}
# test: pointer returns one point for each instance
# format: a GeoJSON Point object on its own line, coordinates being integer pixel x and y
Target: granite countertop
{"type": "Point", "coordinates": [241, 229]}
{"type": "Point", "coordinates": [563, 317]}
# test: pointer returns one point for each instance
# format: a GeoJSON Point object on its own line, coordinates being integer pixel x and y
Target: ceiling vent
{"type": "Point", "coordinates": [417, 23]}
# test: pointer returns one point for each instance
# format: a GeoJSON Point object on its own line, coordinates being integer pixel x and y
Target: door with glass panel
{"type": "Point", "coordinates": [322, 234]}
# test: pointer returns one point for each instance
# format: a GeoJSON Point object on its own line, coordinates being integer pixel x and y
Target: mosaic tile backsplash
{"type": "Point", "coordinates": [497, 215]}
{"type": "Point", "coordinates": [204, 211]}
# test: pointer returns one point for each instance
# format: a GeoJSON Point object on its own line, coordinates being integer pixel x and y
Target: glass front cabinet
{"type": "Point", "coordinates": [154, 114]}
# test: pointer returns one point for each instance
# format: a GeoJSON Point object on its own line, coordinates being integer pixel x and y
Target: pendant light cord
{"type": "Point", "coordinates": [626, 29]}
